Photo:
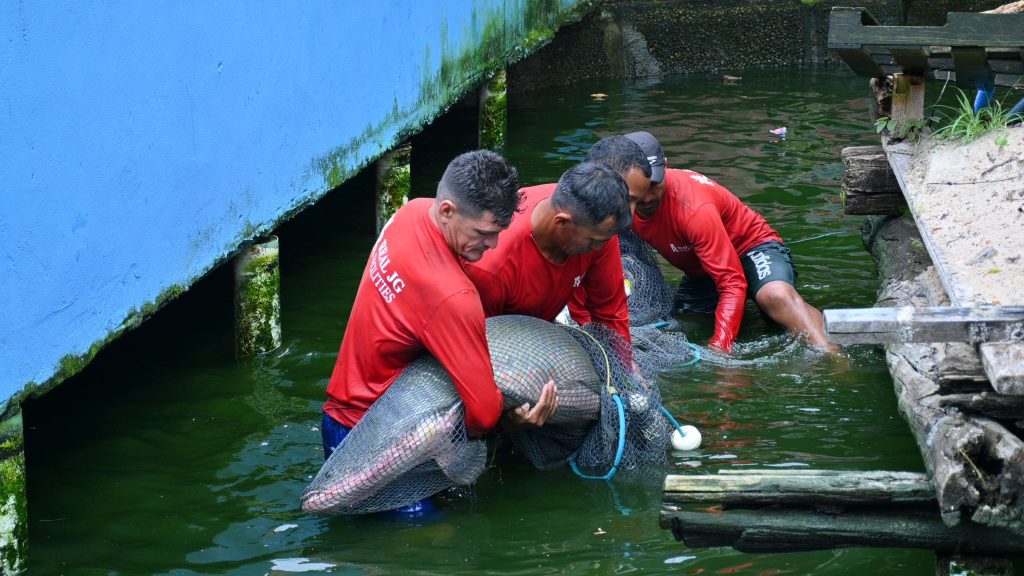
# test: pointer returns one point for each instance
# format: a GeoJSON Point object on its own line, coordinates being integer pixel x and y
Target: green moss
{"type": "Point", "coordinates": [494, 115]}
{"type": "Point", "coordinates": [497, 44]}
{"type": "Point", "coordinates": [13, 507]}
{"type": "Point", "coordinates": [258, 305]}
{"type": "Point", "coordinates": [395, 184]}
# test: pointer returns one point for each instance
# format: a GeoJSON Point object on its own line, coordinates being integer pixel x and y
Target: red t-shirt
{"type": "Point", "coordinates": [702, 228]}
{"type": "Point", "coordinates": [516, 278]}
{"type": "Point", "coordinates": [413, 298]}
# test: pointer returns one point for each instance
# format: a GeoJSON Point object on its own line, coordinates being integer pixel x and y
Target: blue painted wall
{"type": "Point", "coordinates": [142, 142]}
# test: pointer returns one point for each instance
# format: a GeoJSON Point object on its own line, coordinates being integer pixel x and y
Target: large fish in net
{"type": "Point", "coordinates": [412, 442]}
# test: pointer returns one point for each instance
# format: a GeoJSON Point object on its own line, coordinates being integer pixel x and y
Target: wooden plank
{"type": "Point", "coordinates": [780, 529]}
{"type": "Point", "coordinates": [1004, 365]}
{"type": "Point", "coordinates": [972, 71]}
{"type": "Point", "coordinates": [912, 60]}
{"type": "Point", "coordinates": [846, 29]}
{"type": "Point", "coordinates": [998, 79]}
{"type": "Point", "coordinates": [770, 487]}
{"type": "Point", "coordinates": [860, 61]}
{"type": "Point", "coordinates": [986, 403]}
{"type": "Point", "coordinates": [1010, 377]}
{"type": "Point", "coordinates": [936, 324]}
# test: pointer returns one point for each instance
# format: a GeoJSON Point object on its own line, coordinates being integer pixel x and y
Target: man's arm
{"type": "Point", "coordinates": [605, 292]}
{"type": "Point", "coordinates": [489, 286]}
{"type": "Point", "coordinates": [718, 257]}
{"type": "Point", "coordinates": [456, 335]}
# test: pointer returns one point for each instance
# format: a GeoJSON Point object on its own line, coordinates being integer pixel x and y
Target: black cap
{"type": "Point", "coordinates": [652, 149]}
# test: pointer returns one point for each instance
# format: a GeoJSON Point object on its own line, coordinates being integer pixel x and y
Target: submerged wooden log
{"type": "Point", "coordinates": [783, 529]}
{"type": "Point", "coordinates": [762, 487]}
{"type": "Point", "coordinates": [869, 185]}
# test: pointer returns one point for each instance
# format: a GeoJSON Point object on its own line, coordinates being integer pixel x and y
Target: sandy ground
{"type": "Point", "coordinates": [969, 204]}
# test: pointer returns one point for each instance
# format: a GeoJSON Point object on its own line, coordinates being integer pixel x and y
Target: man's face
{"type": "Point", "coordinates": [579, 239]}
{"type": "Point", "coordinates": [639, 188]}
{"type": "Point", "coordinates": [648, 202]}
{"type": "Point", "coordinates": [469, 237]}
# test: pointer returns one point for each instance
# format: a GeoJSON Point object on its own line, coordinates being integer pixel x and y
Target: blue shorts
{"type": "Point", "coordinates": [762, 264]}
{"type": "Point", "coordinates": [333, 432]}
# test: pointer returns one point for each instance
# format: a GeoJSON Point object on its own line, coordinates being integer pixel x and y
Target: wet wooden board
{"type": "Point", "coordinates": [938, 324]}
{"type": "Point", "coordinates": [764, 487]}
{"type": "Point", "coordinates": [1003, 362]}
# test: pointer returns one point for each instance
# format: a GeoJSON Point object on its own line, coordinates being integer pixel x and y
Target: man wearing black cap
{"type": "Point", "coordinates": [727, 251]}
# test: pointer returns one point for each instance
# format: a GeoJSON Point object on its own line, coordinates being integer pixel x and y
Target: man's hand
{"type": "Point", "coordinates": [526, 417]}
{"type": "Point", "coordinates": [718, 348]}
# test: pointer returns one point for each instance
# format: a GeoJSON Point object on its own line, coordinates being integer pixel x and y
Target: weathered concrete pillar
{"type": "Point", "coordinates": [13, 502]}
{"type": "Point", "coordinates": [257, 299]}
{"type": "Point", "coordinates": [394, 179]}
{"type": "Point", "coordinates": [493, 112]}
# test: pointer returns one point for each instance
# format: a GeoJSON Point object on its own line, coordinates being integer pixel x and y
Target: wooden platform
{"type": "Point", "coordinates": [972, 49]}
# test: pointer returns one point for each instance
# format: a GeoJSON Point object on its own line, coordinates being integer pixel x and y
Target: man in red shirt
{"type": "Point", "coordinates": [560, 247]}
{"type": "Point", "coordinates": [414, 297]}
{"type": "Point", "coordinates": [727, 251]}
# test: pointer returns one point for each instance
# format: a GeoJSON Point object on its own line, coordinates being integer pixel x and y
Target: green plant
{"type": "Point", "coordinates": [964, 125]}
{"type": "Point", "coordinates": [912, 129]}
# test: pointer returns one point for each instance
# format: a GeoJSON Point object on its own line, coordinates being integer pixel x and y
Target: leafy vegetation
{"type": "Point", "coordinates": [962, 124]}
{"type": "Point", "coordinates": [912, 129]}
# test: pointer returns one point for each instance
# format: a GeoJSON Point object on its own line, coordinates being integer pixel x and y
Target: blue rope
{"type": "Point", "coordinates": [696, 355]}
{"type": "Point", "coordinates": [618, 452]}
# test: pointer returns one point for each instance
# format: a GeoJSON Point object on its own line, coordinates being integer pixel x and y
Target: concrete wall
{"type": "Point", "coordinates": [642, 38]}
{"type": "Point", "coordinates": [142, 143]}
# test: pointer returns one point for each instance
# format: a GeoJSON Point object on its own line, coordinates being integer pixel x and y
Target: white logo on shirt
{"type": "Point", "coordinates": [678, 249]}
{"type": "Point", "coordinates": [389, 285]}
{"type": "Point", "coordinates": [702, 179]}
{"type": "Point", "coordinates": [577, 281]}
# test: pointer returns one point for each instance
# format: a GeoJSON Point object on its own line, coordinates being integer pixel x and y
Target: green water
{"type": "Point", "coordinates": [167, 457]}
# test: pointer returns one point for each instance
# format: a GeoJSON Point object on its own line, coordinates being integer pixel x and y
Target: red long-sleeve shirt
{"type": "Point", "coordinates": [516, 278]}
{"type": "Point", "coordinates": [702, 228]}
{"type": "Point", "coordinates": [414, 297]}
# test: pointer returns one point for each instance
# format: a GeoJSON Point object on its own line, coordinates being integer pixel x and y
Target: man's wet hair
{"type": "Point", "coordinates": [592, 192]}
{"type": "Point", "coordinates": [482, 181]}
{"type": "Point", "coordinates": [621, 153]}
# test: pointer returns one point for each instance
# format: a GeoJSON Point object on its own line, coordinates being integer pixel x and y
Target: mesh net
{"type": "Point", "coordinates": [629, 440]}
{"type": "Point", "coordinates": [656, 345]}
{"type": "Point", "coordinates": [412, 442]}
{"type": "Point", "coordinates": [650, 298]}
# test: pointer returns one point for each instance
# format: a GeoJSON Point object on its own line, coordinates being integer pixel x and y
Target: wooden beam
{"type": "Point", "coordinates": [846, 28]}
{"type": "Point", "coordinates": [764, 487]}
{"type": "Point", "coordinates": [972, 70]}
{"type": "Point", "coordinates": [1004, 365]}
{"type": "Point", "coordinates": [780, 529]}
{"type": "Point", "coordinates": [860, 61]}
{"type": "Point", "coordinates": [936, 324]}
{"type": "Point", "coordinates": [913, 61]}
